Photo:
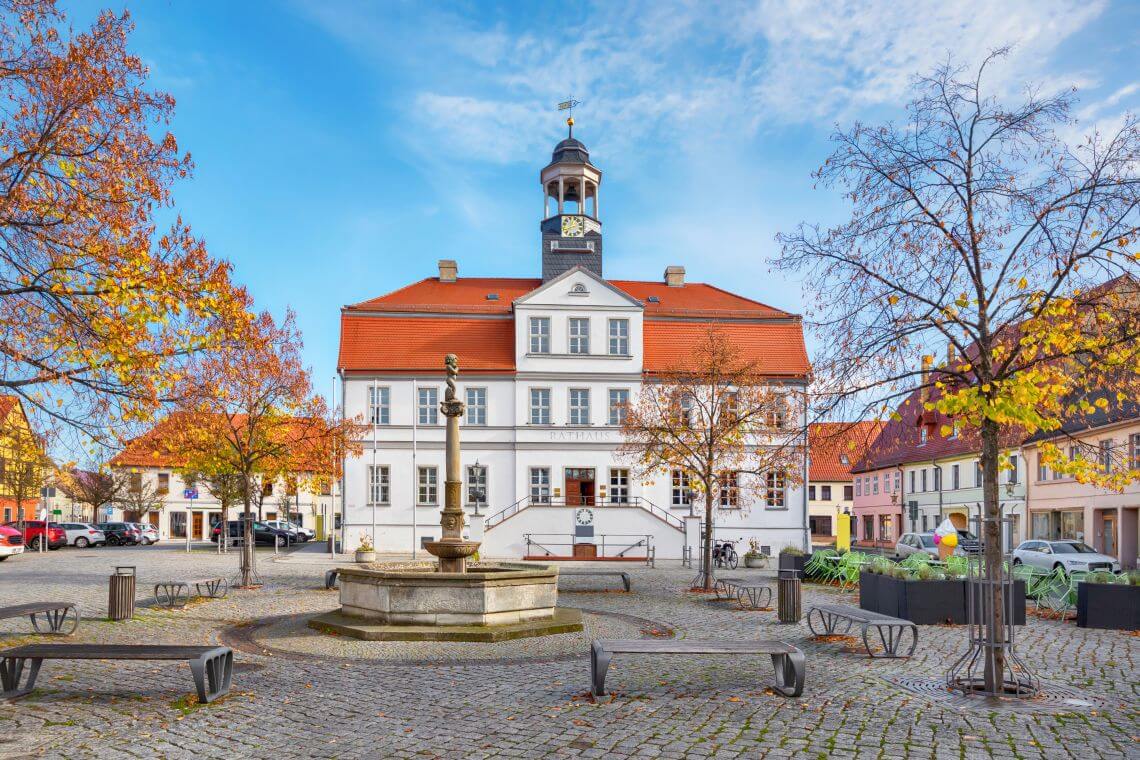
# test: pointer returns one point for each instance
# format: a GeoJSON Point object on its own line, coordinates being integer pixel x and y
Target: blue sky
{"type": "Point", "coordinates": [342, 148]}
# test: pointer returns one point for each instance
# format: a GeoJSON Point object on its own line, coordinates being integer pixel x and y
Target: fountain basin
{"type": "Point", "coordinates": [486, 603]}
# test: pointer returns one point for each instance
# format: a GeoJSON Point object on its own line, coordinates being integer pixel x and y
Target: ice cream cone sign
{"type": "Point", "coordinates": [946, 539]}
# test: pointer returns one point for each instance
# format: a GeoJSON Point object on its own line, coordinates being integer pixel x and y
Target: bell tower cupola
{"type": "Point", "coordinates": [571, 225]}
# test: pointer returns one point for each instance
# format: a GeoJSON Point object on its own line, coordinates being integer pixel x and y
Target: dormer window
{"type": "Point", "coordinates": [844, 459]}
{"type": "Point", "coordinates": [922, 436]}
{"type": "Point", "coordinates": [579, 335]}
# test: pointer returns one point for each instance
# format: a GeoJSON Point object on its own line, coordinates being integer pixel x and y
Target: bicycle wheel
{"type": "Point", "coordinates": [733, 559]}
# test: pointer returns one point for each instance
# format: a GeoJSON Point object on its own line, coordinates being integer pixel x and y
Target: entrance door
{"type": "Point", "coordinates": [197, 529]}
{"type": "Point", "coordinates": [1108, 528]}
{"type": "Point", "coordinates": [579, 486]}
{"type": "Point", "coordinates": [152, 518]}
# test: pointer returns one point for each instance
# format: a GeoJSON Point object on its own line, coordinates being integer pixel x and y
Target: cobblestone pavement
{"type": "Point", "coordinates": [299, 693]}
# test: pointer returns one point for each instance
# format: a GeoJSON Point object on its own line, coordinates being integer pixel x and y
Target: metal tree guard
{"type": "Point", "coordinates": [986, 639]}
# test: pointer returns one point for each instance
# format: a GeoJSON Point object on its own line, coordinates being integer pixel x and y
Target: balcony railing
{"type": "Point", "coordinates": [639, 502]}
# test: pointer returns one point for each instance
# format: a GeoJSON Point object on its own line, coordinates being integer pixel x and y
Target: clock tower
{"type": "Point", "coordinates": [571, 228]}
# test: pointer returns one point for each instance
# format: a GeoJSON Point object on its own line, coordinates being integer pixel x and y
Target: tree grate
{"type": "Point", "coordinates": [1048, 698]}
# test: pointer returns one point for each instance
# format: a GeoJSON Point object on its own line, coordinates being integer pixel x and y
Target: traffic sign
{"type": "Point", "coordinates": [57, 511]}
{"type": "Point", "coordinates": [190, 493]}
{"type": "Point", "coordinates": [110, 511]}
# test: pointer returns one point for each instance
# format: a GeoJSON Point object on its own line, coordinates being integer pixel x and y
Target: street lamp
{"type": "Point", "coordinates": [477, 493]}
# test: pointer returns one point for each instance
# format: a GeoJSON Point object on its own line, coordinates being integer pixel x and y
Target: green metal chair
{"type": "Point", "coordinates": [818, 567]}
{"type": "Point", "coordinates": [849, 566]}
{"type": "Point", "coordinates": [1053, 593]}
{"type": "Point", "coordinates": [957, 565]}
{"type": "Point", "coordinates": [1032, 578]}
{"type": "Point", "coordinates": [916, 560]}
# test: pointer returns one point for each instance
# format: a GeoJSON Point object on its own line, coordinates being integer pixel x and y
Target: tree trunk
{"type": "Point", "coordinates": [246, 545]}
{"type": "Point", "coordinates": [991, 540]}
{"type": "Point", "coordinates": [708, 542]}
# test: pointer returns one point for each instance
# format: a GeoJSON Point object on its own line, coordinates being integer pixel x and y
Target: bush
{"type": "Point", "coordinates": [928, 573]}
{"type": "Point", "coordinates": [1100, 576]}
{"type": "Point", "coordinates": [793, 551]}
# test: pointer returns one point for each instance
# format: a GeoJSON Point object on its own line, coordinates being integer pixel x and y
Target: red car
{"type": "Point", "coordinates": [11, 542]}
{"type": "Point", "coordinates": [33, 531]}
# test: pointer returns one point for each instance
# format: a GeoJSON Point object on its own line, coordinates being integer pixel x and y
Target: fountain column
{"type": "Point", "coordinates": [451, 549]}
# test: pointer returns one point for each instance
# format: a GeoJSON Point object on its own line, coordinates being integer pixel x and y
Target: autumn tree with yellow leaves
{"type": "Point", "coordinates": [977, 230]}
{"type": "Point", "coordinates": [100, 308]}
{"type": "Point", "coordinates": [248, 411]}
{"type": "Point", "coordinates": [735, 433]}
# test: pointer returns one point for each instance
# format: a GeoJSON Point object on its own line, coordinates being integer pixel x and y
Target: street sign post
{"type": "Point", "coordinates": [189, 494]}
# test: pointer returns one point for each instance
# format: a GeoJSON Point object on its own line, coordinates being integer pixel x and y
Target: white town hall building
{"type": "Point", "coordinates": [546, 365]}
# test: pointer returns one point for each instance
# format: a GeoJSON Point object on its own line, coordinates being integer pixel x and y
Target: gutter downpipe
{"type": "Point", "coordinates": [902, 493]}
{"type": "Point", "coordinates": [938, 467]}
{"type": "Point", "coordinates": [804, 489]}
{"type": "Point", "coordinates": [415, 472]}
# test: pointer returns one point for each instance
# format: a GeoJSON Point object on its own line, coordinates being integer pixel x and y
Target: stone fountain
{"type": "Point", "coordinates": [486, 602]}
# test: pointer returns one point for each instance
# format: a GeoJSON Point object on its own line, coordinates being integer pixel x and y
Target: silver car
{"type": "Point", "coordinates": [83, 535]}
{"type": "Point", "coordinates": [915, 543]}
{"type": "Point", "coordinates": [1067, 555]}
{"type": "Point", "coordinates": [148, 534]}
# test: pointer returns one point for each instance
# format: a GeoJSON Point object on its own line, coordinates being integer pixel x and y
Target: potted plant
{"type": "Point", "coordinates": [1105, 601]}
{"type": "Point", "coordinates": [793, 558]}
{"type": "Point", "coordinates": [753, 557]}
{"type": "Point", "coordinates": [365, 552]}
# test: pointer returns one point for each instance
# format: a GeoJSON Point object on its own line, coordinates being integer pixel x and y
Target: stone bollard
{"type": "Point", "coordinates": [788, 606]}
{"type": "Point", "coordinates": [121, 596]}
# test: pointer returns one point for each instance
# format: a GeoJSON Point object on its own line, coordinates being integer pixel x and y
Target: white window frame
{"type": "Point", "coordinates": [475, 477]}
{"type": "Point", "coordinates": [379, 485]}
{"type": "Point", "coordinates": [476, 411]}
{"type": "Point", "coordinates": [618, 410]}
{"type": "Point", "coordinates": [539, 340]}
{"type": "Point", "coordinates": [578, 412]}
{"type": "Point", "coordinates": [427, 485]}
{"type": "Point", "coordinates": [577, 341]}
{"type": "Point", "coordinates": [539, 485]}
{"type": "Point", "coordinates": [619, 485]}
{"type": "Point", "coordinates": [680, 488]}
{"type": "Point", "coordinates": [728, 491]}
{"type": "Point", "coordinates": [543, 409]}
{"type": "Point", "coordinates": [427, 406]}
{"type": "Point", "coordinates": [775, 490]}
{"type": "Point", "coordinates": [380, 404]}
{"type": "Point", "coordinates": [618, 332]}
{"type": "Point", "coordinates": [955, 477]}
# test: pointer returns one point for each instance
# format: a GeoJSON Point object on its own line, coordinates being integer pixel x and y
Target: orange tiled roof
{"type": "Point", "coordinates": [778, 347]}
{"type": "Point", "coordinates": [486, 342]}
{"type": "Point", "coordinates": [469, 295]}
{"type": "Point", "coordinates": [828, 441]}
{"type": "Point", "coordinates": [405, 344]}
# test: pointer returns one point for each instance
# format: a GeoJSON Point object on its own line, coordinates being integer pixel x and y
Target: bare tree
{"type": "Point", "coordinates": [976, 230]}
{"type": "Point", "coordinates": [96, 488]}
{"type": "Point", "coordinates": [733, 433]}
{"type": "Point", "coordinates": [139, 496]}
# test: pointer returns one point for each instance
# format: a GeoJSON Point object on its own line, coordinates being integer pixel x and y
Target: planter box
{"type": "Point", "coordinates": [793, 562]}
{"type": "Point", "coordinates": [1104, 605]}
{"type": "Point", "coordinates": [924, 602]}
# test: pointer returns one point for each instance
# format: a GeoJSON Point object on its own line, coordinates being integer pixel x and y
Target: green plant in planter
{"type": "Point", "coordinates": [900, 572]}
{"type": "Point", "coordinates": [880, 565]}
{"type": "Point", "coordinates": [753, 549]}
{"type": "Point", "coordinates": [928, 573]}
{"type": "Point", "coordinates": [1133, 578]}
{"type": "Point", "coordinates": [793, 551]}
{"type": "Point", "coordinates": [1100, 576]}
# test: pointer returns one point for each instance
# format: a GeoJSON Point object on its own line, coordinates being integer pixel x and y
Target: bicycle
{"type": "Point", "coordinates": [724, 554]}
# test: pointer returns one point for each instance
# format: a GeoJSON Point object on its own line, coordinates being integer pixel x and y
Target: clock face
{"type": "Point", "coordinates": [584, 516]}
{"type": "Point", "coordinates": [573, 226]}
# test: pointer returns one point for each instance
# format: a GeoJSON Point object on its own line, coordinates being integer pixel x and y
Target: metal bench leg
{"type": "Point", "coordinates": [789, 673]}
{"type": "Point", "coordinates": [57, 621]}
{"type": "Point", "coordinates": [212, 588]}
{"type": "Point", "coordinates": [11, 670]}
{"type": "Point", "coordinates": [212, 675]}
{"type": "Point", "coordinates": [599, 664]}
{"type": "Point", "coordinates": [625, 580]}
{"type": "Point", "coordinates": [767, 593]}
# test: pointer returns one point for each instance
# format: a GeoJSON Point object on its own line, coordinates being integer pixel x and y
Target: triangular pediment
{"type": "Point", "coordinates": [579, 286]}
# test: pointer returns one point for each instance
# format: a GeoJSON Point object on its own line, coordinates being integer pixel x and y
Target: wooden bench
{"type": "Point", "coordinates": [171, 594]}
{"type": "Point", "coordinates": [212, 667]}
{"type": "Point", "coordinates": [580, 573]}
{"type": "Point", "coordinates": [890, 629]}
{"type": "Point", "coordinates": [787, 661]}
{"type": "Point", "coordinates": [330, 578]}
{"type": "Point", "coordinates": [58, 616]}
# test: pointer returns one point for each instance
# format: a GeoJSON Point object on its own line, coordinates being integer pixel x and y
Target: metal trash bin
{"type": "Point", "coordinates": [121, 596]}
{"type": "Point", "coordinates": [788, 604]}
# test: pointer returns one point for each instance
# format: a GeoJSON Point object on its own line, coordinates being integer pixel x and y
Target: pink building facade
{"type": "Point", "coordinates": [878, 507]}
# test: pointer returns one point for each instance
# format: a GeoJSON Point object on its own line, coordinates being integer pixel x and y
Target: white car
{"type": "Point", "coordinates": [83, 535]}
{"type": "Point", "coordinates": [301, 534]}
{"type": "Point", "coordinates": [1068, 555]}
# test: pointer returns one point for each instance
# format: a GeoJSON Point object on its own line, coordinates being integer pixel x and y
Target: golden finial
{"type": "Point", "coordinates": [568, 105]}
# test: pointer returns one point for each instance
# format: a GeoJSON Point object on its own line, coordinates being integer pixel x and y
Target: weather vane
{"type": "Point", "coordinates": [568, 105]}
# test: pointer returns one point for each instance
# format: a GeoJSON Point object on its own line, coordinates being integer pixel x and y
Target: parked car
{"type": "Point", "coordinates": [916, 543]}
{"type": "Point", "coordinates": [299, 533]}
{"type": "Point", "coordinates": [148, 534]}
{"type": "Point", "coordinates": [119, 533]}
{"type": "Point", "coordinates": [11, 542]}
{"type": "Point", "coordinates": [33, 532]}
{"type": "Point", "coordinates": [83, 535]}
{"type": "Point", "coordinates": [1067, 555]}
{"type": "Point", "coordinates": [263, 534]}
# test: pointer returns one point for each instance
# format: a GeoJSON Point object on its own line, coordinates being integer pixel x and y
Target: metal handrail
{"type": "Point", "coordinates": [643, 539]}
{"type": "Point", "coordinates": [586, 501]}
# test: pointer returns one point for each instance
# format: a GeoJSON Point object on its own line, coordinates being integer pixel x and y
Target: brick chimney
{"type": "Point", "coordinates": [927, 363]}
{"type": "Point", "coordinates": [951, 355]}
{"type": "Point", "coordinates": [674, 276]}
{"type": "Point", "coordinates": [448, 270]}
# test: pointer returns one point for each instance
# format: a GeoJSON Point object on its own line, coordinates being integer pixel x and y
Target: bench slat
{"type": "Point", "coordinates": [108, 651]}
{"type": "Point", "coordinates": [861, 615]}
{"type": "Point", "coordinates": [19, 610]}
{"type": "Point", "coordinates": [694, 646]}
